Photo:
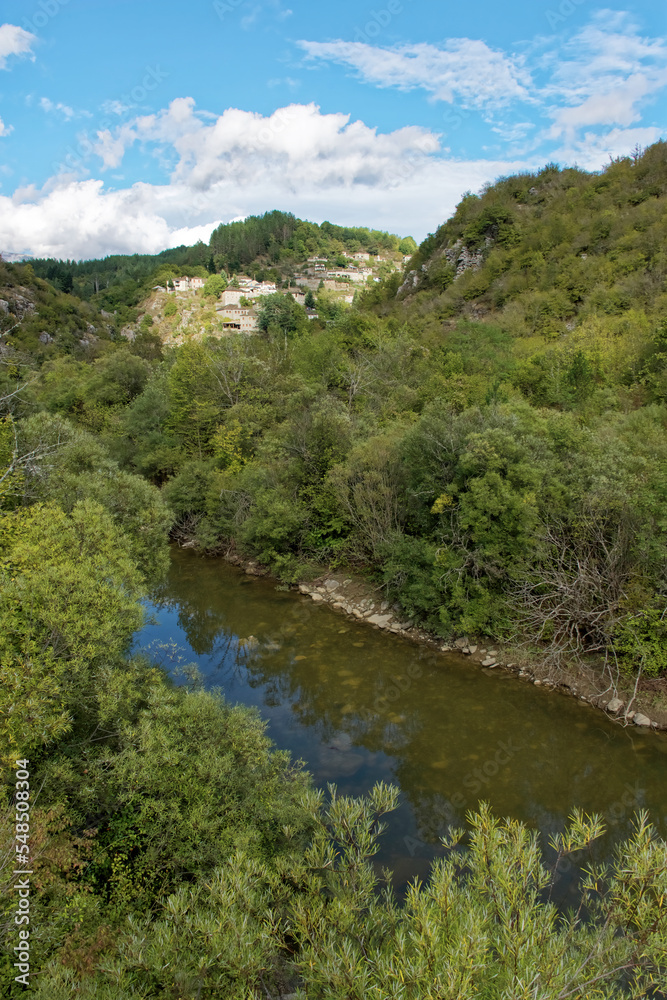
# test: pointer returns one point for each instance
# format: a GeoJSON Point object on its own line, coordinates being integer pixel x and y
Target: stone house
{"type": "Point", "coordinates": [238, 318]}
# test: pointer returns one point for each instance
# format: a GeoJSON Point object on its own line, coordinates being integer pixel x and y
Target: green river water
{"type": "Point", "coordinates": [358, 705]}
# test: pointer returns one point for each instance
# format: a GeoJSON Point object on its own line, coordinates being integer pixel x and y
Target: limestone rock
{"type": "Point", "coordinates": [381, 620]}
{"type": "Point", "coordinates": [614, 706]}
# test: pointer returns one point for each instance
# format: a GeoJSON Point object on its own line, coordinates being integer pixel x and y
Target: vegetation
{"type": "Point", "coordinates": [270, 247]}
{"type": "Point", "coordinates": [488, 444]}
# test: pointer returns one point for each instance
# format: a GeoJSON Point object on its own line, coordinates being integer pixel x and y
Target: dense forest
{"type": "Point", "coordinates": [484, 437]}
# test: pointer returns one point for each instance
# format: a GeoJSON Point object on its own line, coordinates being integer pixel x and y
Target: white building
{"type": "Point", "coordinates": [188, 284]}
{"type": "Point", "coordinates": [360, 256]}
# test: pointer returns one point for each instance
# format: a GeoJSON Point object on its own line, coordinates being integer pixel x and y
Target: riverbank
{"type": "Point", "coordinates": [643, 704]}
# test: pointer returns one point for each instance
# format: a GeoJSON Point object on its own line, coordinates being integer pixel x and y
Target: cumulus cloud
{"type": "Point", "coordinates": [14, 41]}
{"type": "Point", "coordinates": [5, 129]}
{"type": "Point", "coordinates": [317, 165]}
{"type": "Point", "coordinates": [462, 69]}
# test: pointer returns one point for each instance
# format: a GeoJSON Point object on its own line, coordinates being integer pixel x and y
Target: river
{"type": "Point", "coordinates": [358, 705]}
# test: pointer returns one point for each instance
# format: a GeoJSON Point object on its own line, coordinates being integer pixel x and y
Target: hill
{"type": "Point", "coordinates": [483, 434]}
{"type": "Point", "coordinates": [271, 247]}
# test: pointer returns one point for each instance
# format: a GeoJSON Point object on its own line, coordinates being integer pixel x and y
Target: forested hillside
{"type": "Point", "coordinates": [271, 247]}
{"type": "Point", "coordinates": [485, 435]}
{"type": "Point", "coordinates": [485, 438]}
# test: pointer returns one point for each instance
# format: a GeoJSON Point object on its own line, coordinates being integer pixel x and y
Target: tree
{"type": "Point", "coordinates": [283, 314]}
{"type": "Point", "coordinates": [215, 286]}
{"type": "Point", "coordinates": [68, 589]}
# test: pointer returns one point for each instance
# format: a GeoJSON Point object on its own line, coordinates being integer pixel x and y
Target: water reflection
{"type": "Point", "coordinates": [358, 706]}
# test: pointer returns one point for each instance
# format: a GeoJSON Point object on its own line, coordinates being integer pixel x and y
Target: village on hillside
{"type": "Point", "coordinates": [238, 305]}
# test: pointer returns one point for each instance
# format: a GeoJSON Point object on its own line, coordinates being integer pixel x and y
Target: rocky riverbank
{"type": "Point", "coordinates": [592, 683]}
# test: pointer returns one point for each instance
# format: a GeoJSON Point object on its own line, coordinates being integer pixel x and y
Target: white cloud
{"type": "Point", "coordinates": [591, 150]}
{"type": "Point", "coordinates": [65, 110]}
{"type": "Point", "coordinates": [14, 41]}
{"type": "Point", "coordinates": [463, 69]}
{"type": "Point", "coordinates": [604, 75]}
{"type": "Point", "coordinates": [5, 129]}
{"type": "Point", "coordinates": [320, 166]}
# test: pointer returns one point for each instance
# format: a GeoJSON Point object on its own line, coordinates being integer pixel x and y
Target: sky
{"type": "Point", "coordinates": [129, 126]}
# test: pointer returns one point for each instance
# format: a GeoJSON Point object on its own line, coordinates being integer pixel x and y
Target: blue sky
{"type": "Point", "coordinates": [130, 126]}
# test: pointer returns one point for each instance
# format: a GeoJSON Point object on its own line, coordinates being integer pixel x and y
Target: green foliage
{"type": "Point", "coordinates": [68, 587]}
{"type": "Point", "coordinates": [281, 315]}
{"type": "Point", "coordinates": [641, 638]}
{"type": "Point", "coordinates": [69, 466]}
{"type": "Point", "coordinates": [480, 925]}
{"type": "Point", "coordinates": [214, 287]}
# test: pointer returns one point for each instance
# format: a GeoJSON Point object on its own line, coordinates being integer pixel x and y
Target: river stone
{"type": "Point", "coordinates": [331, 585]}
{"type": "Point", "coordinates": [472, 649]}
{"type": "Point", "coordinates": [461, 643]}
{"type": "Point", "coordinates": [489, 662]}
{"type": "Point", "coordinates": [615, 705]}
{"type": "Point", "coordinates": [641, 720]}
{"type": "Point", "coordinates": [304, 588]}
{"type": "Point", "coordinates": [381, 620]}
{"type": "Point", "coordinates": [317, 598]}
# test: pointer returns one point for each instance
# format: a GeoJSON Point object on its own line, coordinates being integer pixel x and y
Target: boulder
{"type": "Point", "coordinates": [614, 706]}
{"type": "Point", "coordinates": [381, 620]}
{"type": "Point", "coordinates": [641, 720]}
